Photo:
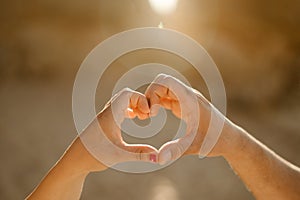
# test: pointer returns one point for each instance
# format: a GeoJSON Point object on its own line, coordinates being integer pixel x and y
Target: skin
{"type": "Point", "coordinates": [265, 174]}
{"type": "Point", "coordinates": [65, 180]}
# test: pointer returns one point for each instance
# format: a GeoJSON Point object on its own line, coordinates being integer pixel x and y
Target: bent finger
{"type": "Point", "coordinates": [142, 104]}
{"type": "Point", "coordinates": [173, 150]}
{"type": "Point", "coordinates": [140, 152]}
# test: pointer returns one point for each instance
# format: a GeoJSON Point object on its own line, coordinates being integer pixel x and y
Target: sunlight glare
{"type": "Point", "coordinates": [163, 7]}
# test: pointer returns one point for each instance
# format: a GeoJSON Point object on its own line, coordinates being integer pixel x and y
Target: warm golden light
{"type": "Point", "coordinates": [163, 7]}
{"type": "Point", "coordinates": [160, 25]}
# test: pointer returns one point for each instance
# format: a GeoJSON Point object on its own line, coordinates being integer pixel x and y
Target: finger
{"type": "Point", "coordinates": [121, 102]}
{"type": "Point", "coordinates": [166, 103]}
{"type": "Point", "coordinates": [140, 114]}
{"type": "Point", "coordinates": [174, 88]}
{"type": "Point", "coordinates": [130, 113]}
{"type": "Point", "coordinates": [153, 100]}
{"type": "Point", "coordinates": [156, 89]}
{"type": "Point", "coordinates": [172, 95]}
{"type": "Point", "coordinates": [134, 99]}
{"type": "Point", "coordinates": [183, 94]}
{"type": "Point", "coordinates": [166, 89]}
{"type": "Point", "coordinates": [154, 110]}
{"type": "Point", "coordinates": [141, 108]}
{"type": "Point", "coordinates": [139, 105]}
{"type": "Point", "coordinates": [170, 151]}
{"type": "Point", "coordinates": [130, 103]}
{"type": "Point", "coordinates": [143, 116]}
{"type": "Point", "coordinates": [142, 104]}
{"type": "Point", "coordinates": [175, 107]}
{"type": "Point", "coordinates": [140, 152]}
{"type": "Point", "coordinates": [173, 150]}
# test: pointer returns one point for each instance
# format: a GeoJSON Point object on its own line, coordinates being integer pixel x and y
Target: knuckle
{"type": "Point", "coordinates": [160, 77]}
{"type": "Point", "coordinates": [168, 78]}
{"type": "Point", "coordinates": [138, 153]}
{"type": "Point", "coordinates": [126, 90]}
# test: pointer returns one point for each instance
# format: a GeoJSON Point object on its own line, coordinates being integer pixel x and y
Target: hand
{"type": "Point", "coordinates": [103, 136]}
{"type": "Point", "coordinates": [189, 105]}
{"type": "Point", "coordinates": [100, 141]}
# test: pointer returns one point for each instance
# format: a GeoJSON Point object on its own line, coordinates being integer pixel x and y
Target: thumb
{"type": "Point", "coordinates": [172, 150]}
{"type": "Point", "coordinates": [140, 152]}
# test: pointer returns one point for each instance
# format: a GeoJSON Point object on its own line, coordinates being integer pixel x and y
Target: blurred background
{"type": "Point", "coordinates": [255, 44]}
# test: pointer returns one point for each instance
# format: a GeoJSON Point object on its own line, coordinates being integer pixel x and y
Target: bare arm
{"type": "Point", "coordinates": [65, 180]}
{"type": "Point", "coordinates": [267, 175]}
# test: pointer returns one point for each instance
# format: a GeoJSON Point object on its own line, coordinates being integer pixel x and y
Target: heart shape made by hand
{"type": "Point", "coordinates": [166, 91]}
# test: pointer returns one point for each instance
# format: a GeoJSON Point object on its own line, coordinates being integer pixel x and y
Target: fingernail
{"type": "Point", "coordinates": [165, 157]}
{"type": "Point", "coordinates": [153, 158]}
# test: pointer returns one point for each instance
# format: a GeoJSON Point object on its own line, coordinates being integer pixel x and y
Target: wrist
{"type": "Point", "coordinates": [78, 160]}
{"type": "Point", "coordinates": [232, 139]}
{"type": "Point", "coordinates": [229, 140]}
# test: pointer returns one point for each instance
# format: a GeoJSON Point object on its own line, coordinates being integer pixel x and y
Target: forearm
{"type": "Point", "coordinates": [65, 180]}
{"type": "Point", "coordinates": [267, 175]}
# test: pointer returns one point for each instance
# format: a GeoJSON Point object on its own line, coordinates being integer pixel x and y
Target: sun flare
{"type": "Point", "coordinates": [163, 7]}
